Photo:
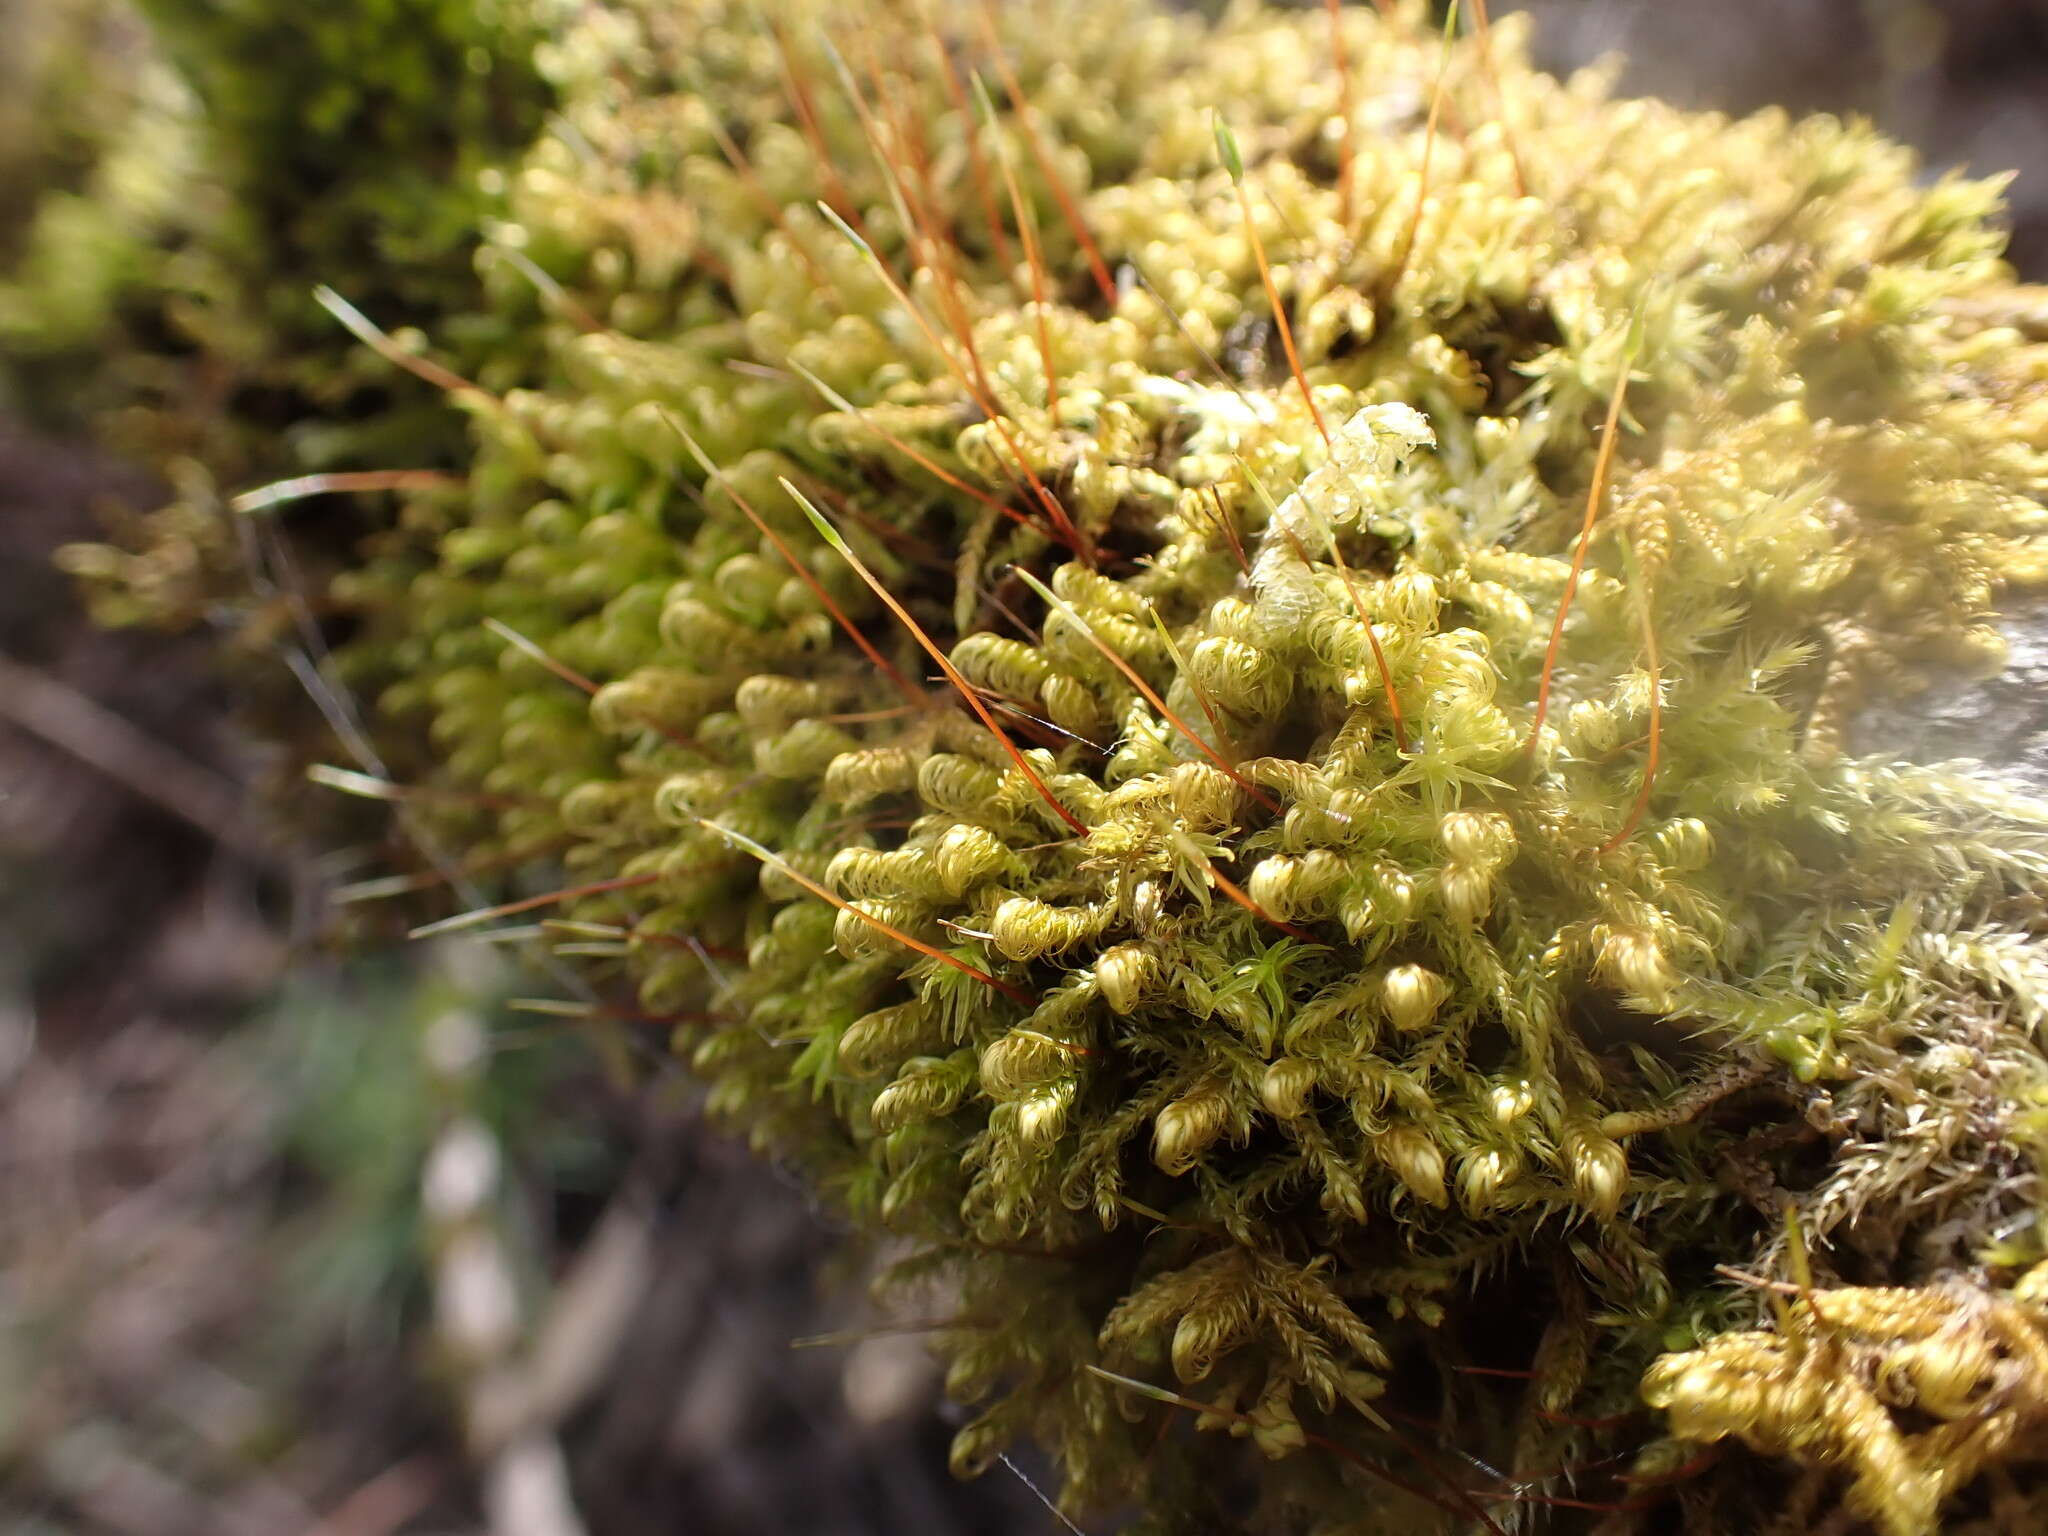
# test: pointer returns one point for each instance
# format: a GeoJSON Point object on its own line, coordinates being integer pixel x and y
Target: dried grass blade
{"type": "Point", "coordinates": [513, 908]}
{"type": "Point", "coordinates": [1602, 463]}
{"type": "Point", "coordinates": [1485, 27]}
{"type": "Point", "coordinates": [789, 872]}
{"type": "Point", "coordinates": [1069, 211]}
{"type": "Point", "coordinates": [977, 164]}
{"type": "Point", "coordinates": [278, 492]}
{"type": "Point", "coordinates": [1656, 737]}
{"type": "Point", "coordinates": [1436, 106]}
{"type": "Point", "coordinates": [1027, 231]}
{"type": "Point", "coordinates": [1063, 527]}
{"type": "Point", "coordinates": [1226, 142]}
{"type": "Point", "coordinates": [378, 340]}
{"type": "Point", "coordinates": [578, 681]}
{"type": "Point", "coordinates": [1347, 149]}
{"type": "Point", "coordinates": [832, 536]}
{"type": "Point", "coordinates": [1145, 689]}
{"type": "Point", "coordinates": [804, 573]}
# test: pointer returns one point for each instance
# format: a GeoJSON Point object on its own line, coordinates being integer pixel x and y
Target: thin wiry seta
{"type": "Point", "coordinates": [1376, 1066]}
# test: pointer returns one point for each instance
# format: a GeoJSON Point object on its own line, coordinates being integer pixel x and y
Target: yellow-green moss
{"type": "Point", "coordinates": [1391, 1090]}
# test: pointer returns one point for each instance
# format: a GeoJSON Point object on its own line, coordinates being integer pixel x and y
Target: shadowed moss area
{"type": "Point", "coordinates": [1374, 925]}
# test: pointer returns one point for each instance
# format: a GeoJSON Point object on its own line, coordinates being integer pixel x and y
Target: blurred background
{"type": "Point", "coordinates": [294, 1241]}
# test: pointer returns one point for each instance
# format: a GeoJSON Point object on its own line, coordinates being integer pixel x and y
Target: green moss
{"type": "Point", "coordinates": [186, 174]}
{"type": "Point", "coordinates": [1374, 1080]}
{"type": "Point", "coordinates": [352, 138]}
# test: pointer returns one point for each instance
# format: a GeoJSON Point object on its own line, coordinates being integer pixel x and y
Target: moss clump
{"type": "Point", "coordinates": [1348, 1002]}
{"type": "Point", "coordinates": [180, 176]}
